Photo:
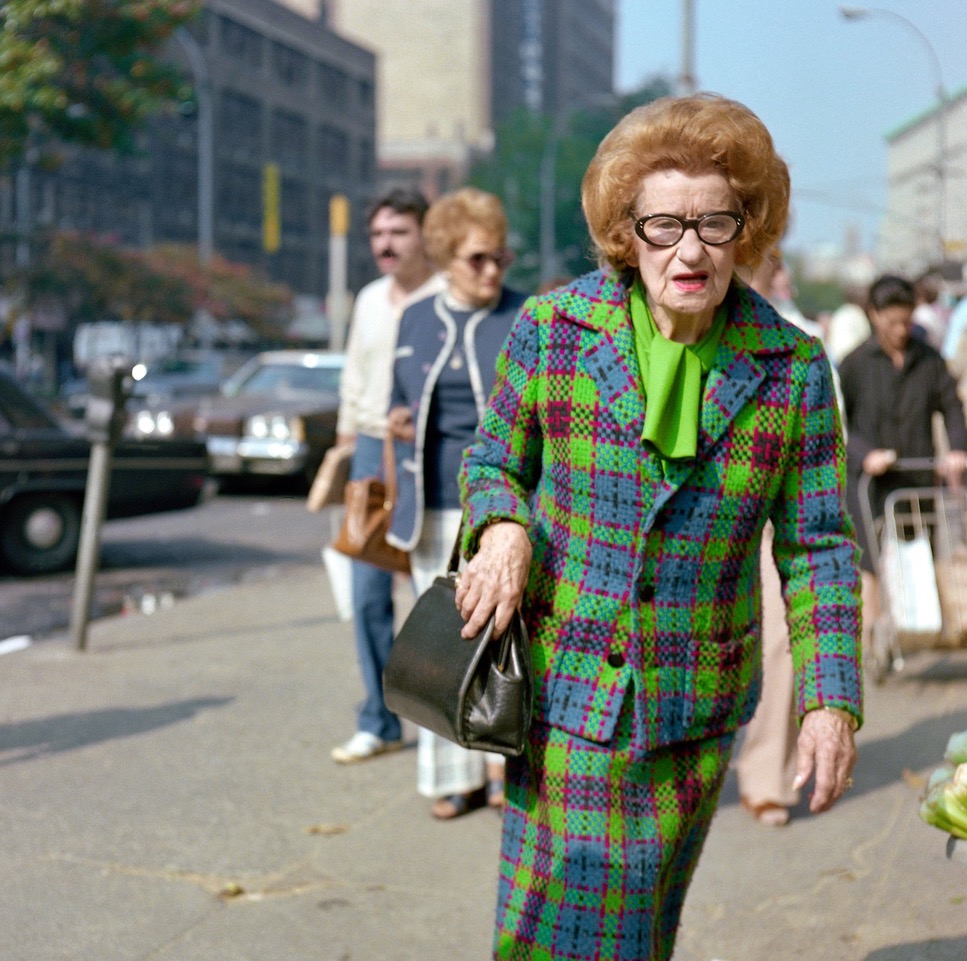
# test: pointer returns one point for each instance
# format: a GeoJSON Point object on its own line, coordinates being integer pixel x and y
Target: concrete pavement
{"type": "Point", "coordinates": [168, 795]}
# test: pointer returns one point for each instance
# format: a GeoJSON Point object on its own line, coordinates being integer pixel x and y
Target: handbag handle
{"type": "Point", "coordinates": [453, 564]}
{"type": "Point", "coordinates": [389, 471]}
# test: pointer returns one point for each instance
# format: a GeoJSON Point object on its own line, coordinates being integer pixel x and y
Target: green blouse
{"type": "Point", "coordinates": [673, 377]}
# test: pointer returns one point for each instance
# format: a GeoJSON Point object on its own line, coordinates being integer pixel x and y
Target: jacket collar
{"type": "Point", "coordinates": [599, 300]}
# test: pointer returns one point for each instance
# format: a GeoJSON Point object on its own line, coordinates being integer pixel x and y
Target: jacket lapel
{"type": "Point", "coordinates": [598, 301]}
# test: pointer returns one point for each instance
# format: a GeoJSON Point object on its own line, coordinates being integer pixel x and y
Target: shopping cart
{"type": "Point", "coordinates": [919, 553]}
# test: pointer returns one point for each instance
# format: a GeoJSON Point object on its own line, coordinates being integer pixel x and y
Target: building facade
{"type": "Point", "coordinates": [449, 71]}
{"type": "Point", "coordinates": [925, 225]}
{"type": "Point", "coordinates": [293, 116]}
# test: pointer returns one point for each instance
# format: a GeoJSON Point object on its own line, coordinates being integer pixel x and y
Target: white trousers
{"type": "Point", "coordinates": [443, 768]}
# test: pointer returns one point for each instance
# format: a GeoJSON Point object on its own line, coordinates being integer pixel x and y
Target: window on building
{"type": "Point", "coordinates": [290, 66]}
{"type": "Point", "coordinates": [294, 207]}
{"type": "Point", "coordinates": [365, 94]}
{"type": "Point", "coordinates": [239, 201]}
{"type": "Point", "coordinates": [240, 126]}
{"type": "Point", "coordinates": [333, 150]}
{"type": "Point", "coordinates": [289, 266]}
{"type": "Point", "coordinates": [334, 86]}
{"type": "Point", "coordinates": [240, 43]}
{"type": "Point", "coordinates": [365, 167]}
{"type": "Point", "coordinates": [290, 138]}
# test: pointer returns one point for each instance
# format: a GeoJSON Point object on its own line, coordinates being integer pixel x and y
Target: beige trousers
{"type": "Point", "coordinates": [766, 760]}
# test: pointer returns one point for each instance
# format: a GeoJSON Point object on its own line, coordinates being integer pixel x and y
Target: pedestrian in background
{"type": "Point", "coordinates": [647, 420]}
{"type": "Point", "coordinates": [444, 370]}
{"type": "Point", "coordinates": [395, 239]}
{"type": "Point", "coordinates": [765, 765]}
{"type": "Point", "coordinates": [893, 384]}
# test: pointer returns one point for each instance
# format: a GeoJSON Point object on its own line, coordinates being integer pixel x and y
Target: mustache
{"type": "Point", "coordinates": [387, 252]}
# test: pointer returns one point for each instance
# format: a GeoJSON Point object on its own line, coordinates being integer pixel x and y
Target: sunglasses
{"type": "Point", "coordinates": [501, 260]}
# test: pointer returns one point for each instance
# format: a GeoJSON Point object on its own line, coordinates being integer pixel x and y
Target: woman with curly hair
{"type": "Point", "coordinates": [647, 421]}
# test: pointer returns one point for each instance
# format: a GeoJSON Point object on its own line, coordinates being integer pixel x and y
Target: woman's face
{"type": "Point", "coordinates": [685, 283]}
{"type": "Point", "coordinates": [477, 268]}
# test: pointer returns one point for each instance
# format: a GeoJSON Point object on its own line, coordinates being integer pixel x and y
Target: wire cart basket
{"type": "Point", "coordinates": [919, 553]}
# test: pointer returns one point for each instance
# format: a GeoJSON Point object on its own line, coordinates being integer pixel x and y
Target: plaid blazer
{"type": "Point", "coordinates": [644, 584]}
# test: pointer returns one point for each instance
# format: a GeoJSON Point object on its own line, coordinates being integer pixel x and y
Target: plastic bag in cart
{"type": "Point", "coordinates": [910, 585]}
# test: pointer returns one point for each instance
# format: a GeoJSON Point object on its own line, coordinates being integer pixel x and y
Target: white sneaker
{"type": "Point", "coordinates": [362, 746]}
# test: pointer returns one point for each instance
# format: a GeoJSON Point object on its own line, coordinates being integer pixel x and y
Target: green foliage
{"type": "Point", "coordinates": [84, 71]}
{"type": "Point", "coordinates": [95, 279]}
{"type": "Point", "coordinates": [815, 297]}
{"type": "Point", "coordinates": [513, 172]}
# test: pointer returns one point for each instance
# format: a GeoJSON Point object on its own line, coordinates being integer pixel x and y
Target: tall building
{"type": "Point", "coordinates": [448, 71]}
{"type": "Point", "coordinates": [925, 224]}
{"type": "Point", "coordinates": [293, 116]}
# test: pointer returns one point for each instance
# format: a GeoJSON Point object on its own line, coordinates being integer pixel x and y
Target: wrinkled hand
{"type": "Point", "coordinates": [952, 468]}
{"type": "Point", "coordinates": [399, 423]}
{"type": "Point", "coordinates": [495, 579]}
{"type": "Point", "coordinates": [825, 747]}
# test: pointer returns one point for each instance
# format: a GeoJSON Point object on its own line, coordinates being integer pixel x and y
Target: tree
{"type": "Point", "coordinates": [93, 279]}
{"type": "Point", "coordinates": [512, 171]}
{"type": "Point", "coordinates": [84, 71]}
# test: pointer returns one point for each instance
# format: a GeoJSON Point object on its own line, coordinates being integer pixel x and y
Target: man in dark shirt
{"type": "Point", "coordinates": [892, 386]}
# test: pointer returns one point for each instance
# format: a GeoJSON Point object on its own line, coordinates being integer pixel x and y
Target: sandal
{"type": "Point", "coordinates": [455, 805]}
{"type": "Point", "coordinates": [495, 793]}
{"type": "Point", "coordinates": [768, 813]}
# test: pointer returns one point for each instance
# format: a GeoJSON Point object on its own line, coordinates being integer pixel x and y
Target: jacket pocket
{"type": "Point", "coordinates": [725, 685]}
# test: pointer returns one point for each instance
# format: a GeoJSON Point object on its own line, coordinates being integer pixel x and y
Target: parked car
{"type": "Point", "coordinates": [274, 417]}
{"type": "Point", "coordinates": [179, 376]}
{"type": "Point", "coordinates": [43, 476]}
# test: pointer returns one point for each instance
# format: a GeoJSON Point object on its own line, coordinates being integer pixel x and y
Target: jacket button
{"type": "Point", "coordinates": [647, 592]}
{"type": "Point", "coordinates": [616, 659]}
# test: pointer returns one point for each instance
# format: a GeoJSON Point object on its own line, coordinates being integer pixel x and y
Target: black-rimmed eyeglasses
{"type": "Point", "coordinates": [665, 230]}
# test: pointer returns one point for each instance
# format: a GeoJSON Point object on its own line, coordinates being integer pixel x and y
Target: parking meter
{"type": "Point", "coordinates": [110, 386]}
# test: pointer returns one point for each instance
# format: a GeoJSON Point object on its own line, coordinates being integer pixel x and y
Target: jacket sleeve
{"type": "Point", "coordinates": [352, 382]}
{"type": "Point", "coordinates": [816, 553]}
{"type": "Point", "coordinates": [501, 468]}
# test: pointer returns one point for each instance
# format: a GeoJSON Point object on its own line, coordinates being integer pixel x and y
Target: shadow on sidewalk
{"type": "Point", "coordinates": [946, 949]}
{"type": "Point", "coordinates": [31, 740]}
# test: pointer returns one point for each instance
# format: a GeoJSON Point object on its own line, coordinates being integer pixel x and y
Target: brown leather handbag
{"type": "Point", "coordinates": [369, 509]}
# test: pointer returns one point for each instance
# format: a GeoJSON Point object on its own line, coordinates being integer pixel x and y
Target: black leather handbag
{"type": "Point", "coordinates": [477, 693]}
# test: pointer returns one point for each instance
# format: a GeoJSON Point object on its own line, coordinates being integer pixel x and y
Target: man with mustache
{"type": "Point", "coordinates": [396, 241]}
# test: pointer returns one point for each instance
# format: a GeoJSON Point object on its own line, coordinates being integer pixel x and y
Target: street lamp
{"type": "Point", "coordinates": [863, 13]}
{"type": "Point", "coordinates": [549, 263]}
{"type": "Point", "coordinates": [203, 94]}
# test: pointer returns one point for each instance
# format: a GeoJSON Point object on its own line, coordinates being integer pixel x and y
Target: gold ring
{"type": "Point", "coordinates": [847, 784]}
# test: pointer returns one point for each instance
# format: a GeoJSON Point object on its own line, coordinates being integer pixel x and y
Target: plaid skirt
{"type": "Point", "coordinates": [599, 844]}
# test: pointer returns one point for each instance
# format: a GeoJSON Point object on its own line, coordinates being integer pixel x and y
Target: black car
{"type": "Point", "coordinates": [43, 475]}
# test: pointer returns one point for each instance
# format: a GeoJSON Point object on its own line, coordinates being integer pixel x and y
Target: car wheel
{"type": "Point", "coordinates": [39, 533]}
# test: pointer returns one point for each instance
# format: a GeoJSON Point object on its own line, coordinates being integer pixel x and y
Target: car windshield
{"type": "Point", "coordinates": [283, 380]}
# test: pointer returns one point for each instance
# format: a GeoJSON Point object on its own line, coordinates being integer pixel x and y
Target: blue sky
{"type": "Point", "coordinates": [828, 89]}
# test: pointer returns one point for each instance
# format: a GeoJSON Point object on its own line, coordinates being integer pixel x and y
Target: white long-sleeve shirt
{"type": "Point", "coordinates": [368, 375]}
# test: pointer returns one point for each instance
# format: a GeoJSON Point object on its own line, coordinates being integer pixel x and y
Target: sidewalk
{"type": "Point", "coordinates": [168, 795]}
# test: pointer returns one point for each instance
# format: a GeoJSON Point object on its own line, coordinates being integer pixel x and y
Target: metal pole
{"type": "Point", "coordinates": [862, 13]}
{"type": "Point", "coordinates": [203, 94]}
{"type": "Point", "coordinates": [548, 189]}
{"type": "Point", "coordinates": [686, 81]}
{"type": "Point", "coordinates": [89, 548]}
{"type": "Point", "coordinates": [22, 184]}
{"type": "Point", "coordinates": [549, 265]}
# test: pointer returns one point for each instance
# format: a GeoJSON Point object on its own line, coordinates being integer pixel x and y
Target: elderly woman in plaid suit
{"type": "Point", "coordinates": [647, 421]}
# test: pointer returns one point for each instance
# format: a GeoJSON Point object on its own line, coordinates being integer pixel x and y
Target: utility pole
{"type": "Point", "coordinates": [686, 79]}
